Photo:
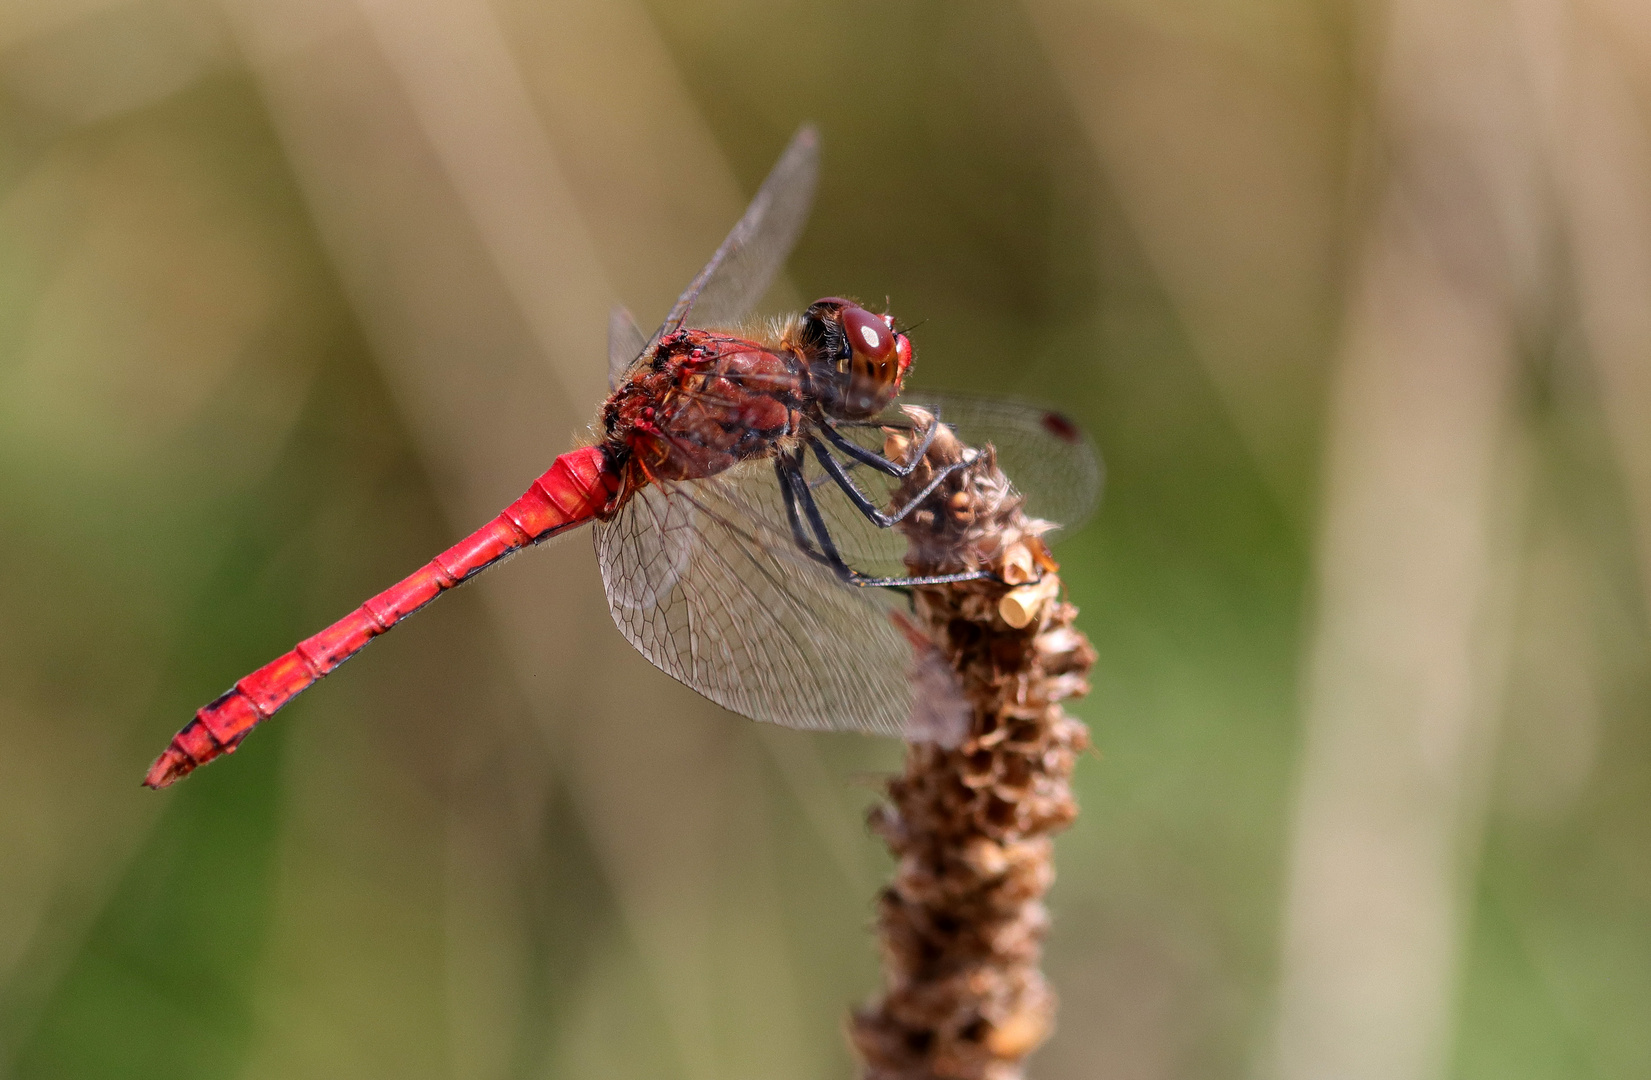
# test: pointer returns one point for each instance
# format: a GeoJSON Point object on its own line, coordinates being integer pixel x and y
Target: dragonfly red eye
{"type": "Point", "coordinates": [867, 334]}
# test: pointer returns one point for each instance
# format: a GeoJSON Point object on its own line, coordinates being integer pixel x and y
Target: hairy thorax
{"type": "Point", "coordinates": [705, 403]}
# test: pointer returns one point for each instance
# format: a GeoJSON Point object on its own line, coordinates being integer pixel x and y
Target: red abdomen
{"type": "Point", "coordinates": [573, 491]}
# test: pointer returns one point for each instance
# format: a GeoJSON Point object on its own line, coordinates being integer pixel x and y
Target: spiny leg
{"type": "Point", "coordinates": [811, 510]}
{"type": "Point", "coordinates": [788, 467]}
{"type": "Point", "coordinates": [882, 464]}
{"type": "Point", "coordinates": [862, 502]}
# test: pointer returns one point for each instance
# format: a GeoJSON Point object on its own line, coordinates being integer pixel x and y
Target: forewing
{"type": "Point", "coordinates": [626, 344]}
{"type": "Point", "coordinates": [745, 265]}
{"type": "Point", "coordinates": [705, 579]}
{"type": "Point", "coordinates": [1044, 454]}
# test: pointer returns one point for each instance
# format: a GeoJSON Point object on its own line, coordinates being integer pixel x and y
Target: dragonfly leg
{"type": "Point", "coordinates": [877, 461]}
{"type": "Point", "coordinates": [788, 467]}
{"type": "Point", "coordinates": [883, 464]}
{"type": "Point", "coordinates": [862, 502]}
{"type": "Point", "coordinates": [803, 497]}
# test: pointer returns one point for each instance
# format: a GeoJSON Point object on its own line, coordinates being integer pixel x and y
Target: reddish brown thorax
{"type": "Point", "coordinates": [708, 400]}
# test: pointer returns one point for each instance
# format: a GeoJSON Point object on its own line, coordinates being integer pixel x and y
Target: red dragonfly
{"type": "Point", "coordinates": [728, 480]}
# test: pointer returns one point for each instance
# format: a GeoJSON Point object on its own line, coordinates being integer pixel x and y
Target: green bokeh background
{"type": "Point", "coordinates": [449, 862]}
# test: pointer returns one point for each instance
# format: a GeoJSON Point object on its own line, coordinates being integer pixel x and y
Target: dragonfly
{"type": "Point", "coordinates": [739, 498]}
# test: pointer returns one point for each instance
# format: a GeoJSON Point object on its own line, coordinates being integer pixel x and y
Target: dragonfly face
{"type": "Point", "coordinates": [855, 359]}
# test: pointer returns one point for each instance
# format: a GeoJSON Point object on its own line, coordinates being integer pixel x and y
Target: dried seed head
{"type": "Point", "coordinates": [969, 824]}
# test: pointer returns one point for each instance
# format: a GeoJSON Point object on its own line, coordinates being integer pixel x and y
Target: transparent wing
{"type": "Point", "coordinates": [1053, 466]}
{"type": "Point", "coordinates": [1044, 454]}
{"type": "Point", "coordinates": [1049, 461]}
{"type": "Point", "coordinates": [745, 265]}
{"type": "Point", "coordinates": [626, 344]}
{"type": "Point", "coordinates": [706, 580]}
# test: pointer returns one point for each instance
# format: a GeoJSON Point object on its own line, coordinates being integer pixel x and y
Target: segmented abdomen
{"type": "Point", "coordinates": [572, 492]}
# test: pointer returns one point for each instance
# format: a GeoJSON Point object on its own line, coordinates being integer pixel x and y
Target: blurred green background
{"type": "Point", "coordinates": [1355, 299]}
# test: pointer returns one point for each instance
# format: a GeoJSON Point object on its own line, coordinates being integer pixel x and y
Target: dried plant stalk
{"type": "Point", "coordinates": [971, 818]}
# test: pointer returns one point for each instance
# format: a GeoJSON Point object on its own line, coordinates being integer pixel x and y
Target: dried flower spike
{"type": "Point", "coordinates": [970, 823]}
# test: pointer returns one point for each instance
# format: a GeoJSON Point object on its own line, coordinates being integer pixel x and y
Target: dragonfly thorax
{"type": "Point", "coordinates": [706, 402]}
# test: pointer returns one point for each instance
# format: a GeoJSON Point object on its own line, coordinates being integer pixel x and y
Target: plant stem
{"type": "Point", "coordinates": [971, 817]}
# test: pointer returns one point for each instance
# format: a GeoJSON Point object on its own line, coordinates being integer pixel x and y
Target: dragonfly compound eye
{"type": "Point", "coordinates": [863, 350]}
{"type": "Point", "coordinates": [873, 360]}
{"type": "Point", "coordinates": [868, 335]}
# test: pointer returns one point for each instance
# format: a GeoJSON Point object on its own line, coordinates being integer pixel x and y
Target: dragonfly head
{"type": "Point", "coordinates": [857, 358]}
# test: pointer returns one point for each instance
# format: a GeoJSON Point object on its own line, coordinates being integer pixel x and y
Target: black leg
{"type": "Point", "coordinates": [788, 468]}
{"type": "Point", "coordinates": [862, 502]}
{"type": "Point", "coordinates": [850, 464]}
{"type": "Point", "coordinates": [828, 548]}
{"type": "Point", "coordinates": [877, 461]}
{"type": "Point", "coordinates": [898, 425]}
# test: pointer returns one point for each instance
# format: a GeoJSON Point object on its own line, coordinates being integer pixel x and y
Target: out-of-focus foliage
{"type": "Point", "coordinates": [259, 314]}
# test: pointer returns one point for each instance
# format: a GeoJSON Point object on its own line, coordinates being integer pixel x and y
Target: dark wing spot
{"type": "Point", "coordinates": [1061, 428]}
